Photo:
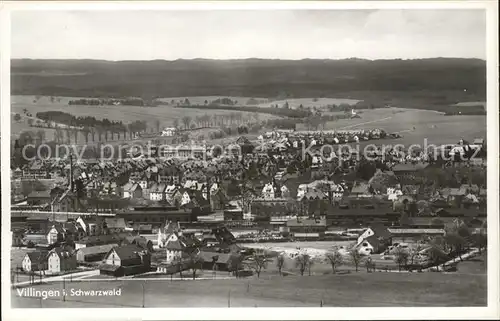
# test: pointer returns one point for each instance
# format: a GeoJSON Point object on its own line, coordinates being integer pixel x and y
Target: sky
{"type": "Point", "coordinates": [223, 34]}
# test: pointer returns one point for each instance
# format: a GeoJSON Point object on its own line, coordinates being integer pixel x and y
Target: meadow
{"type": "Point", "coordinates": [414, 125]}
{"type": "Point", "coordinates": [165, 114]}
{"type": "Point", "coordinates": [356, 289]}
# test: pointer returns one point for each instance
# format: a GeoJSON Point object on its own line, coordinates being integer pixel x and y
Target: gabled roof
{"type": "Point", "coordinates": [360, 188]}
{"type": "Point", "coordinates": [39, 194]}
{"type": "Point", "coordinates": [99, 249]}
{"type": "Point", "coordinates": [305, 222]}
{"type": "Point", "coordinates": [61, 252]}
{"type": "Point", "coordinates": [115, 222]}
{"type": "Point", "coordinates": [127, 252]}
{"type": "Point", "coordinates": [37, 256]}
{"type": "Point", "coordinates": [380, 231]}
{"type": "Point", "coordinates": [409, 167]}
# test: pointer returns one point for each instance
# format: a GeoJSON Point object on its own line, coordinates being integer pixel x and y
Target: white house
{"type": "Point", "coordinates": [393, 193]}
{"type": "Point", "coordinates": [284, 191]}
{"type": "Point", "coordinates": [186, 199]}
{"type": "Point", "coordinates": [34, 261]}
{"type": "Point", "coordinates": [169, 131]}
{"type": "Point", "coordinates": [157, 192]}
{"type": "Point", "coordinates": [174, 247]}
{"type": "Point", "coordinates": [268, 191]}
{"type": "Point", "coordinates": [55, 234]}
{"type": "Point", "coordinates": [60, 260]}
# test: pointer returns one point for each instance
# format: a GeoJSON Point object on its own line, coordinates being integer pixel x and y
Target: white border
{"type": "Point", "coordinates": [490, 312]}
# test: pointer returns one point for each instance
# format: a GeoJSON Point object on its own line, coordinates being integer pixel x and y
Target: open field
{"type": "Point", "coordinates": [165, 114]}
{"type": "Point", "coordinates": [265, 102]}
{"type": "Point", "coordinates": [379, 289]}
{"type": "Point", "coordinates": [434, 126]}
{"type": "Point", "coordinates": [310, 102]}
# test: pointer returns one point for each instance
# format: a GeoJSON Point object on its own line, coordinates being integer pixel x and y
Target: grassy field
{"type": "Point", "coordinates": [413, 125]}
{"type": "Point", "coordinates": [165, 114]}
{"type": "Point", "coordinates": [346, 290]}
{"type": "Point", "coordinates": [416, 125]}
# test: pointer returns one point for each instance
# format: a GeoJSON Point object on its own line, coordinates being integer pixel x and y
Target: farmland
{"type": "Point", "coordinates": [414, 125]}
{"type": "Point", "coordinates": [165, 114]}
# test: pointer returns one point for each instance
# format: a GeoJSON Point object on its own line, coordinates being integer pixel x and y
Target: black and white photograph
{"type": "Point", "coordinates": [327, 156]}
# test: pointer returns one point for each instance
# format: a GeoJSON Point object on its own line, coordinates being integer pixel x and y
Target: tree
{"type": "Point", "coordinates": [335, 259]}
{"type": "Point", "coordinates": [414, 252]}
{"type": "Point", "coordinates": [280, 262]}
{"type": "Point", "coordinates": [176, 123]}
{"type": "Point", "coordinates": [436, 255]}
{"type": "Point", "coordinates": [17, 117]}
{"type": "Point", "coordinates": [401, 257]}
{"type": "Point", "coordinates": [235, 263]}
{"type": "Point", "coordinates": [479, 240]}
{"type": "Point", "coordinates": [196, 262]}
{"type": "Point", "coordinates": [355, 258]}
{"type": "Point", "coordinates": [186, 120]}
{"type": "Point", "coordinates": [257, 261]}
{"type": "Point", "coordinates": [303, 261]}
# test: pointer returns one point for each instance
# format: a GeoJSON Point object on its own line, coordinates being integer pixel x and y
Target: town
{"type": "Point", "coordinates": [188, 211]}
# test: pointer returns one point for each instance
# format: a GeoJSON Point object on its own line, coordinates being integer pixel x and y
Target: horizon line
{"type": "Point", "coordinates": [248, 58]}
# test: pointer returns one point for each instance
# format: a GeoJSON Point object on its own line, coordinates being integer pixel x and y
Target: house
{"type": "Point", "coordinates": [369, 245]}
{"type": "Point", "coordinates": [413, 235]}
{"type": "Point", "coordinates": [114, 225]}
{"type": "Point", "coordinates": [141, 241]}
{"type": "Point", "coordinates": [374, 239]}
{"type": "Point", "coordinates": [93, 253]}
{"type": "Point", "coordinates": [56, 234]}
{"type": "Point", "coordinates": [360, 189]}
{"type": "Point", "coordinates": [269, 191]}
{"type": "Point", "coordinates": [393, 193]}
{"type": "Point", "coordinates": [35, 261]}
{"type": "Point", "coordinates": [118, 238]}
{"type": "Point", "coordinates": [157, 192]}
{"type": "Point", "coordinates": [61, 259]}
{"type": "Point", "coordinates": [126, 260]}
{"type": "Point", "coordinates": [216, 261]}
{"type": "Point", "coordinates": [171, 192]}
{"type": "Point", "coordinates": [39, 198]}
{"type": "Point", "coordinates": [170, 174]}
{"type": "Point", "coordinates": [67, 202]}
{"type": "Point", "coordinates": [132, 190]}
{"type": "Point", "coordinates": [406, 171]}
{"type": "Point", "coordinates": [169, 131]}
{"type": "Point", "coordinates": [177, 246]}
{"type": "Point", "coordinates": [90, 225]}
{"type": "Point", "coordinates": [307, 228]}
{"type": "Point", "coordinates": [410, 190]}
{"type": "Point", "coordinates": [165, 232]}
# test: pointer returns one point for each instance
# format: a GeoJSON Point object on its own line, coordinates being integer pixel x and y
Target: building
{"type": "Point", "coordinates": [93, 253]}
{"type": "Point", "coordinates": [56, 234]}
{"type": "Point", "coordinates": [408, 171]}
{"type": "Point", "coordinates": [60, 260]}
{"type": "Point", "coordinates": [157, 192]}
{"type": "Point", "coordinates": [169, 132]}
{"type": "Point", "coordinates": [307, 228]}
{"type": "Point", "coordinates": [39, 198]}
{"type": "Point", "coordinates": [178, 246]}
{"type": "Point", "coordinates": [413, 235]}
{"type": "Point", "coordinates": [132, 190]}
{"type": "Point", "coordinates": [126, 260]}
{"type": "Point", "coordinates": [35, 261]}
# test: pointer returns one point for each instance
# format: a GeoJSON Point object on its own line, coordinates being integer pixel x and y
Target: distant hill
{"type": "Point", "coordinates": [441, 80]}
